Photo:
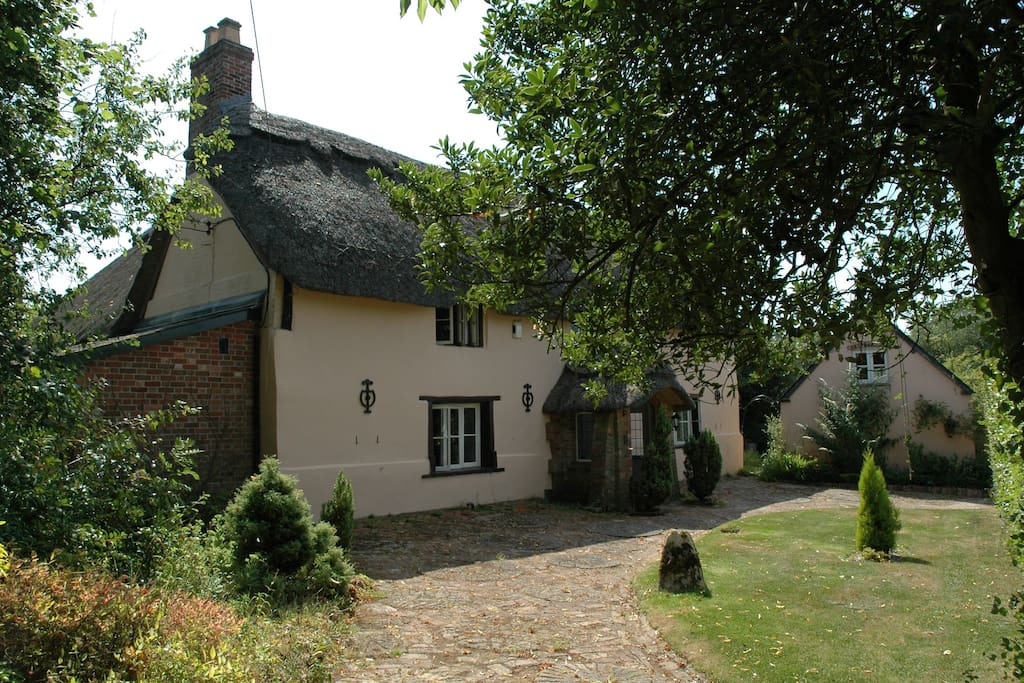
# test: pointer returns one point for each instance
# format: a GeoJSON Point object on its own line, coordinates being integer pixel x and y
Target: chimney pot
{"type": "Point", "coordinates": [229, 30]}
{"type": "Point", "coordinates": [227, 65]}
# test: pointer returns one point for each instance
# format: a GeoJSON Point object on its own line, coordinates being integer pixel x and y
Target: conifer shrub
{"type": "Point", "coordinates": [276, 549]}
{"type": "Point", "coordinates": [652, 485]}
{"type": "Point", "coordinates": [703, 465]}
{"type": "Point", "coordinates": [878, 520]}
{"type": "Point", "coordinates": [339, 510]}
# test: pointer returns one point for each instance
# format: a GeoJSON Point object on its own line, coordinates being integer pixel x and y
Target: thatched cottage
{"type": "Point", "coordinates": [298, 324]}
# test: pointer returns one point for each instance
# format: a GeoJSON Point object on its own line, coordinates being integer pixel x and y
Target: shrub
{"type": "Point", "coordinates": [933, 469]}
{"type": "Point", "coordinates": [100, 494]}
{"type": "Point", "coordinates": [339, 510]}
{"type": "Point", "coordinates": [852, 420]}
{"type": "Point", "coordinates": [275, 548]}
{"type": "Point", "coordinates": [703, 465]}
{"type": "Point", "coordinates": [878, 520]}
{"type": "Point", "coordinates": [779, 464]}
{"type": "Point", "coordinates": [55, 623]}
{"type": "Point", "coordinates": [652, 485]}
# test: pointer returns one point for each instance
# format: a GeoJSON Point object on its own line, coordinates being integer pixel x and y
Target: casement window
{"type": "Point", "coordinates": [459, 325]}
{"type": "Point", "coordinates": [871, 366]}
{"type": "Point", "coordinates": [685, 424]}
{"type": "Point", "coordinates": [584, 436]}
{"type": "Point", "coordinates": [460, 434]}
{"type": "Point", "coordinates": [636, 434]}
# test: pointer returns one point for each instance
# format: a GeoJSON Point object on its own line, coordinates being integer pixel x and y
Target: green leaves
{"type": "Point", "coordinates": [421, 6]}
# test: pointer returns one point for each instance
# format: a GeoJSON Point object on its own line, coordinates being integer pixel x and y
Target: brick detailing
{"type": "Point", "coordinates": [604, 480]}
{"type": "Point", "coordinates": [228, 69]}
{"type": "Point", "coordinates": [192, 369]}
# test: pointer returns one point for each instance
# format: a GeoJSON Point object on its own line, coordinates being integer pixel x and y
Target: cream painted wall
{"type": "Point", "coordinates": [721, 417]}
{"type": "Point", "coordinates": [337, 342]}
{"type": "Point", "coordinates": [910, 376]}
{"type": "Point", "coordinates": [219, 265]}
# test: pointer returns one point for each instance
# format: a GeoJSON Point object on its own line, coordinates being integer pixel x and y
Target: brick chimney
{"type": "Point", "coordinates": [227, 65]}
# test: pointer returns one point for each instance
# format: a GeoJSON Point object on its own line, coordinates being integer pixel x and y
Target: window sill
{"type": "Point", "coordinates": [468, 470]}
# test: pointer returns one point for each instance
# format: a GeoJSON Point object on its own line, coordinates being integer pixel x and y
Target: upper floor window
{"type": "Point", "coordinates": [459, 325]}
{"type": "Point", "coordinates": [871, 365]}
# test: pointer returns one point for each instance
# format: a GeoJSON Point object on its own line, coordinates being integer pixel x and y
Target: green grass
{"type": "Point", "coordinates": [792, 601]}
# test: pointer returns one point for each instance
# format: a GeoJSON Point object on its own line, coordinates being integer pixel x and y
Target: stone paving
{"type": "Point", "coordinates": [527, 591]}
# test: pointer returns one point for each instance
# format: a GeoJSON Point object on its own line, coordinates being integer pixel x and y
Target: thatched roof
{"type": "Point", "coordinates": [113, 300]}
{"type": "Point", "coordinates": [568, 394]}
{"type": "Point", "coordinates": [302, 197]}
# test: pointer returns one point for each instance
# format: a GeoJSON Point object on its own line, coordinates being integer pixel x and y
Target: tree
{"type": "Point", "coordinates": [78, 126]}
{"type": "Point", "coordinates": [853, 419]}
{"type": "Point", "coordinates": [703, 464]}
{"type": "Point", "coordinates": [878, 520]}
{"type": "Point", "coordinates": [682, 180]}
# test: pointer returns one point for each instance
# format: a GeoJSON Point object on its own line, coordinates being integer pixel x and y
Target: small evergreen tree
{"type": "Point", "coordinates": [339, 510]}
{"type": "Point", "coordinates": [276, 548]}
{"type": "Point", "coordinates": [703, 465]}
{"type": "Point", "coordinates": [878, 520]}
{"type": "Point", "coordinates": [652, 485]}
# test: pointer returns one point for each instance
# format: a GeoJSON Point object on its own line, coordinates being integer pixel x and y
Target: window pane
{"type": "Point", "coordinates": [454, 451]}
{"type": "Point", "coordinates": [437, 452]}
{"type": "Point", "coordinates": [443, 324]}
{"type": "Point", "coordinates": [636, 433]}
{"type": "Point", "coordinates": [471, 452]}
{"type": "Point", "coordinates": [879, 359]}
{"type": "Point", "coordinates": [584, 435]}
{"type": "Point", "coordinates": [469, 421]}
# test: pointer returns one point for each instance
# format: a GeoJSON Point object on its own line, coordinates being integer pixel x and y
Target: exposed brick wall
{"type": "Point", "coordinates": [193, 369]}
{"type": "Point", "coordinates": [604, 480]}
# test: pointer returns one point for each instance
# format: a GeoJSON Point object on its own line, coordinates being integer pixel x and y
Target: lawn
{"type": "Point", "coordinates": [792, 601]}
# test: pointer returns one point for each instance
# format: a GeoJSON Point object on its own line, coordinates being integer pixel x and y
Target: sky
{"type": "Point", "coordinates": [353, 66]}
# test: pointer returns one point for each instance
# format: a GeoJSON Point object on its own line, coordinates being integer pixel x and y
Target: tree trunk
{"type": "Point", "coordinates": [997, 255]}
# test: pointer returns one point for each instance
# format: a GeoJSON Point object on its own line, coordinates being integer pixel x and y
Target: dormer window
{"type": "Point", "coordinates": [459, 325]}
{"type": "Point", "coordinates": [871, 366]}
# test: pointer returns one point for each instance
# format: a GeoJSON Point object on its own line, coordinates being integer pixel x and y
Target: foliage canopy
{"type": "Point", "coordinates": [730, 169]}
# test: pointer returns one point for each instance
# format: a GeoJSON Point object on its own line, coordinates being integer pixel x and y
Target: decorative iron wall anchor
{"type": "Point", "coordinates": [527, 397]}
{"type": "Point", "coordinates": [367, 397]}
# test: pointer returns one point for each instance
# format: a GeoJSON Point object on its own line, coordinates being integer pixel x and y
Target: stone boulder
{"type": "Point", "coordinates": [680, 570]}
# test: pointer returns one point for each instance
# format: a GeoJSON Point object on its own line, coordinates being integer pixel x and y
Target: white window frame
{"type": "Point", "coordinates": [464, 325]}
{"type": "Point", "coordinates": [443, 442]}
{"type": "Point", "coordinates": [869, 368]}
{"type": "Point", "coordinates": [685, 424]}
{"type": "Point", "coordinates": [636, 434]}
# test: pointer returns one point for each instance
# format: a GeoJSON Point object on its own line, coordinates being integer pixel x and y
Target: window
{"type": "Point", "coordinates": [584, 436]}
{"type": "Point", "coordinates": [459, 325]}
{"type": "Point", "coordinates": [636, 434]}
{"type": "Point", "coordinates": [871, 366]}
{"type": "Point", "coordinates": [460, 434]}
{"type": "Point", "coordinates": [685, 424]}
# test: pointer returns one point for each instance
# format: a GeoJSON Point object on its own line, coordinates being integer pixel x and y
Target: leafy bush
{"type": "Point", "coordinates": [852, 420]}
{"type": "Point", "coordinates": [703, 465]}
{"type": "Point", "coordinates": [779, 464]}
{"type": "Point", "coordinates": [652, 484]}
{"type": "Point", "coordinates": [196, 561]}
{"type": "Point", "coordinates": [276, 550]}
{"type": "Point", "coordinates": [59, 623]}
{"type": "Point", "coordinates": [339, 510]}
{"type": "Point", "coordinates": [94, 493]}
{"type": "Point", "coordinates": [878, 520]}
{"type": "Point", "coordinates": [932, 469]}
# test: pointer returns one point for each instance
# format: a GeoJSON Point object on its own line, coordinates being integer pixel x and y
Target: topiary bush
{"type": "Point", "coordinates": [276, 549]}
{"type": "Point", "coordinates": [703, 465]}
{"type": "Point", "coordinates": [339, 510]}
{"type": "Point", "coordinates": [652, 485]}
{"type": "Point", "coordinates": [878, 520]}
